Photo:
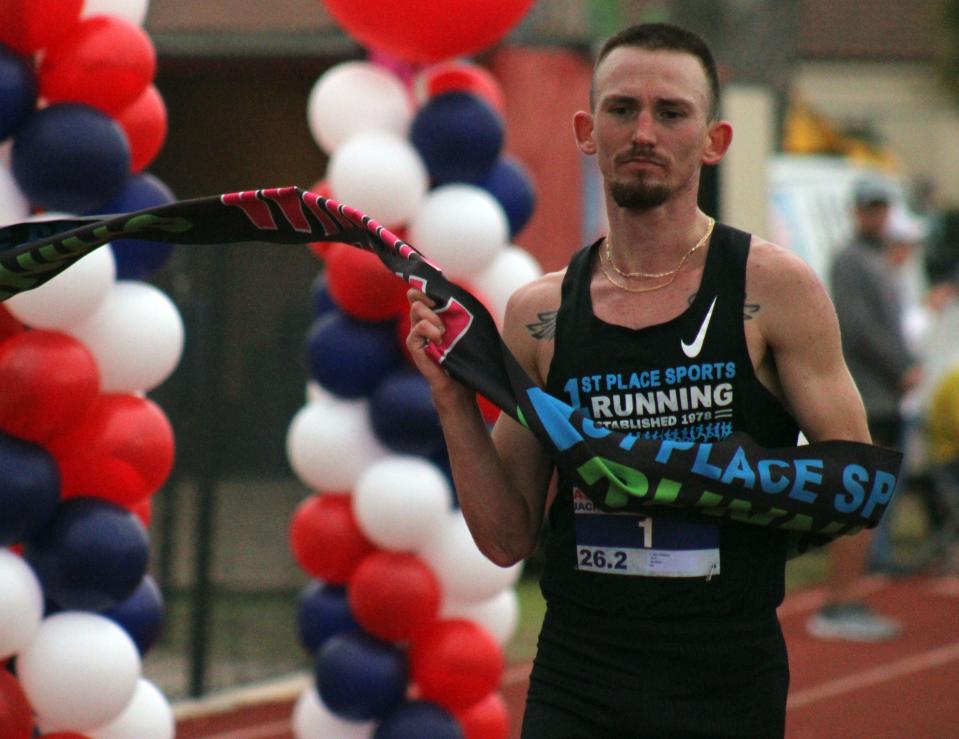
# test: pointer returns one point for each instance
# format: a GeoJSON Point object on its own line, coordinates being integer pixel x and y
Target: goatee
{"type": "Point", "coordinates": [638, 196]}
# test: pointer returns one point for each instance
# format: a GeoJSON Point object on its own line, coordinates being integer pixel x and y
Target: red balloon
{"type": "Point", "coordinates": [16, 718]}
{"type": "Point", "coordinates": [455, 663]}
{"type": "Point", "coordinates": [144, 121]}
{"type": "Point", "coordinates": [392, 595]}
{"type": "Point", "coordinates": [325, 539]}
{"type": "Point", "coordinates": [144, 511]}
{"type": "Point", "coordinates": [121, 451]}
{"type": "Point", "coordinates": [320, 248]}
{"type": "Point", "coordinates": [362, 286]}
{"type": "Point", "coordinates": [423, 31]}
{"type": "Point", "coordinates": [8, 324]}
{"type": "Point", "coordinates": [459, 76]}
{"type": "Point", "coordinates": [29, 25]}
{"type": "Point", "coordinates": [488, 719]}
{"type": "Point", "coordinates": [48, 380]}
{"type": "Point", "coordinates": [104, 61]}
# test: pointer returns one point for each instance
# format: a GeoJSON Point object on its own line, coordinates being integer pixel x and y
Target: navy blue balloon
{"type": "Point", "coordinates": [403, 416]}
{"type": "Point", "coordinates": [136, 259]}
{"type": "Point", "coordinates": [322, 612]}
{"type": "Point", "coordinates": [360, 678]}
{"type": "Point", "coordinates": [350, 357]}
{"type": "Point", "coordinates": [29, 489]}
{"type": "Point", "coordinates": [510, 183]}
{"type": "Point", "coordinates": [70, 157]}
{"type": "Point", "coordinates": [459, 136]}
{"type": "Point", "coordinates": [320, 297]}
{"type": "Point", "coordinates": [18, 91]}
{"type": "Point", "coordinates": [418, 719]}
{"type": "Point", "coordinates": [141, 614]}
{"type": "Point", "coordinates": [91, 556]}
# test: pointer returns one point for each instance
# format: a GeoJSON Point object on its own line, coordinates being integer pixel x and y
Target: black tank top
{"type": "Point", "coordinates": [688, 379]}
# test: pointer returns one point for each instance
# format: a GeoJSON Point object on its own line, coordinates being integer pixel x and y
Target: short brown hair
{"type": "Point", "coordinates": [664, 36]}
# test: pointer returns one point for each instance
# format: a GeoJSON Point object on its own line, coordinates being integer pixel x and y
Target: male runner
{"type": "Point", "coordinates": [657, 625]}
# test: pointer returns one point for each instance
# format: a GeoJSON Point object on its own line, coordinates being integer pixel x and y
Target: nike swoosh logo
{"type": "Point", "coordinates": [692, 350]}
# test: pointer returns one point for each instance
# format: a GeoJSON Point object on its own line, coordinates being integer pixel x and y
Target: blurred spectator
{"type": "Point", "coordinates": [904, 237]}
{"type": "Point", "coordinates": [870, 316]}
{"type": "Point", "coordinates": [943, 443]}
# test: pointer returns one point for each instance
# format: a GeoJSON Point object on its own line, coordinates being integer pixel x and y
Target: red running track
{"type": "Point", "coordinates": [905, 689]}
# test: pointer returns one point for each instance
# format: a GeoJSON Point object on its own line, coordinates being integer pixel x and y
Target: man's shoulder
{"type": "Point", "coordinates": [540, 294]}
{"type": "Point", "coordinates": [767, 257]}
{"type": "Point", "coordinates": [777, 271]}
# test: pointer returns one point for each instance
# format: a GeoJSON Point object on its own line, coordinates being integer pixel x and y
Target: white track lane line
{"type": "Point", "coordinates": [883, 673]}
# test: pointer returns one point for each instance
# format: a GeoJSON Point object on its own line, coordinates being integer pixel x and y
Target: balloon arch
{"type": "Point", "coordinates": [404, 617]}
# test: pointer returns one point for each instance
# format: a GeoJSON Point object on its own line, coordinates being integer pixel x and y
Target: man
{"type": "Point", "coordinates": [678, 636]}
{"type": "Point", "coordinates": [942, 429]}
{"type": "Point", "coordinates": [870, 317]}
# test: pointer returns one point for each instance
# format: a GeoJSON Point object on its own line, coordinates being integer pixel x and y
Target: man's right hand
{"type": "Point", "coordinates": [426, 327]}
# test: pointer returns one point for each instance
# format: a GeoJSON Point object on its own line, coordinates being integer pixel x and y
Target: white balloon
{"type": "Point", "coordinates": [330, 443]}
{"type": "Point", "coordinates": [313, 720]}
{"type": "Point", "coordinates": [14, 206]}
{"type": "Point", "coordinates": [379, 174]}
{"type": "Point", "coordinates": [134, 11]}
{"type": "Point", "coordinates": [316, 393]}
{"type": "Point", "coordinates": [460, 227]}
{"type": "Point", "coordinates": [512, 268]}
{"type": "Point", "coordinates": [21, 605]}
{"type": "Point", "coordinates": [400, 500]}
{"type": "Point", "coordinates": [148, 715]}
{"type": "Point", "coordinates": [499, 615]}
{"type": "Point", "coordinates": [69, 298]}
{"type": "Point", "coordinates": [80, 671]}
{"type": "Point", "coordinates": [465, 574]}
{"type": "Point", "coordinates": [354, 97]}
{"type": "Point", "coordinates": [136, 336]}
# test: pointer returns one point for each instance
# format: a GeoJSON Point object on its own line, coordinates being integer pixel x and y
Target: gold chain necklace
{"type": "Point", "coordinates": [658, 275]}
{"type": "Point", "coordinates": [606, 259]}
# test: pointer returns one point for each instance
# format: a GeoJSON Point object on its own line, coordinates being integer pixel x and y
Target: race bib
{"type": "Point", "coordinates": [626, 543]}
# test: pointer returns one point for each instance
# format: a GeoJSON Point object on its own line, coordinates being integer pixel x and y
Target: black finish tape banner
{"type": "Point", "coordinates": [816, 492]}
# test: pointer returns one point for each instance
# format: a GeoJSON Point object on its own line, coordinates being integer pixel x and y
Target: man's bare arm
{"type": "Point", "coordinates": [501, 479]}
{"type": "Point", "coordinates": [798, 323]}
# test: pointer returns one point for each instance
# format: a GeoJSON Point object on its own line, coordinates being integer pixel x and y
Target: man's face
{"type": "Point", "coordinates": [872, 218]}
{"type": "Point", "coordinates": [650, 124]}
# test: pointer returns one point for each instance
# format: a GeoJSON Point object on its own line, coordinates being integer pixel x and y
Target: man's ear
{"type": "Point", "coordinates": [583, 128]}
{"type": "Point", "coordinates": [719, 137]}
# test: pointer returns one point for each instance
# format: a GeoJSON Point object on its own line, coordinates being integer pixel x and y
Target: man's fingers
{"type": "Point", "coordinates": [418, 296]}
{"type": "Point", "coordinates": [422, 332]}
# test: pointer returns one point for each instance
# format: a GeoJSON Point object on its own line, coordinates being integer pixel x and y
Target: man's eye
{"type": "Point", "coordinates": [622, 109]}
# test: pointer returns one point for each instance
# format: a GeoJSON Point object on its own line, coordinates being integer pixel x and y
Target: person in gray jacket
{"type": "Point", "coordinates": [870, 319]}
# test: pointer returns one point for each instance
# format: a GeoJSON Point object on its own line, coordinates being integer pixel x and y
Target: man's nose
{"type": "Point", "coordinates": [644, 133]}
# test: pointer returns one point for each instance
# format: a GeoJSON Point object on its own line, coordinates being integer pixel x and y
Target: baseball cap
{"type": "Point", "coordinates": [872, 191]}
